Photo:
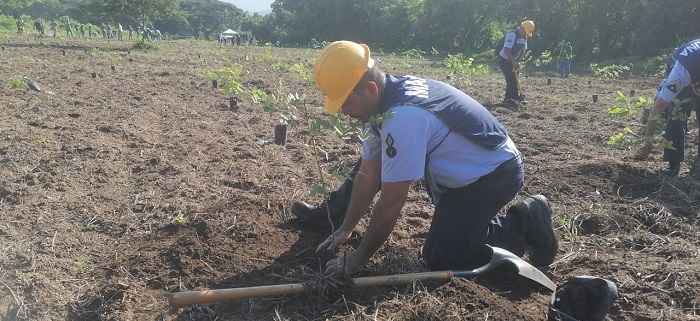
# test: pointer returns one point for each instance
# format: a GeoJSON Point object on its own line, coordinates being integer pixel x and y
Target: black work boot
{"type": "Point", "coordinates": [511, 103]}
{"type": "Point", "coordinates": [672, 170]}
{"type": "Point", "coordinates": [695, 168]}
{"type": "Point", "coordinates": [535, 218]}
{"type": "Point", "coordinates": [316, 216]}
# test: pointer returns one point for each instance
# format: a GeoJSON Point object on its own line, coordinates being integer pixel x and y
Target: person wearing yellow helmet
{"type": "Point", "coordinates": [434, 131]}
{"type": "Point", "coordinates": [511, 51]}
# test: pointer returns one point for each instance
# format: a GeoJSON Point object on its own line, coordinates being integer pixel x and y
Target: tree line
{"type": "Point", "coordinates": [198, 18]}
{"type": "Point", "coordinates": [598, 29]}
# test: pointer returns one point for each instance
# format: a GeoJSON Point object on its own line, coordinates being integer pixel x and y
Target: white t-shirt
{"type": "Point", "coordinates": [412, 132]}
{"type": "Point", "coordinates": [677, 79]}
{"type": "Point", "coordinates": [509, 42]}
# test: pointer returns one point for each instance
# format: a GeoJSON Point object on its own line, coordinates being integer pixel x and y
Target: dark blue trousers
{"type": "Point", "coordinates": [466, 218]}
{"type": "Point", "coordinates": [512, 91]}
{"type": "Point", "coordinates": [676, 128]}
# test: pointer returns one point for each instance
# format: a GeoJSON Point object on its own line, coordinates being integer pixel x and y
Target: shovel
{"type": "Point", "coordinates": [499, 257]}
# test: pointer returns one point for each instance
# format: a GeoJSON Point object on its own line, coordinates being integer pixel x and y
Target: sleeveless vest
{"type": "Point", "coordinates": [689, 56]}
{"type": "Point", "coordinates": [517, 48]}
{"type": "Point", "coordinates": [460, 112]}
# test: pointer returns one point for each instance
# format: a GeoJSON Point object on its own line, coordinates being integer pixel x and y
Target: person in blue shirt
{"type": "Point", "coordinates": [682, 84]}
{"type": "Point", "coordinates": [509, 56]}
{"type": "Point", "coordinates": [434, 131]}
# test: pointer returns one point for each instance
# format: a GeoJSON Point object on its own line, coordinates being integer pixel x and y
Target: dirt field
{"type": "Point", "coordinates": [120, 187]}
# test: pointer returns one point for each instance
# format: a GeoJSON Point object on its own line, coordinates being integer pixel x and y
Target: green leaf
{"type": "Point", "coordinates": [318, 190]}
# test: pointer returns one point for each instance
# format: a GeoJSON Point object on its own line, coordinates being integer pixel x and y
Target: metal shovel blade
{"type": "Point", "coordinates": [496, 255]}
{"type": "Point", "coordinates": [501, 256]}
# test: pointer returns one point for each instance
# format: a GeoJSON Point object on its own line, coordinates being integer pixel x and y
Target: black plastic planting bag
{"type": "Point", "coordinates": [582, 298]}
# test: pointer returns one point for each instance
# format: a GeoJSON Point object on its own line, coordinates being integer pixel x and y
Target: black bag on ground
{"type": "Point", "coordinates": [582, 298]}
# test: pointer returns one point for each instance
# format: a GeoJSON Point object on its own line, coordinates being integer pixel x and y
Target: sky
{"type": "Point", "coordinates": [251, 5]}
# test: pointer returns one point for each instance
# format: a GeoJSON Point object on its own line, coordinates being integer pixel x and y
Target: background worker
{"type": "Point", "coordinates": [313, 43]}
{"type": "Point", "coordinates": [682, 84]}
{"type": "Point", "coordinates": [567, 53]}
{"type": "Point", "coordinates": [53, 26]}
{"type": "Point", "coordinates": [509, 57]}
{"type": "Point", "coordinates": [40, 28]}
{"type": "Point", "coordinates": [69, 31]}
{"type": "Point", "coordinates": [432, 130]}
{"type": "Point", "coordinates": [68, 27]}
{"type": "Point", "coordinates": [676, 117]}
{"type": "Point", "coordinates": [20, 25]}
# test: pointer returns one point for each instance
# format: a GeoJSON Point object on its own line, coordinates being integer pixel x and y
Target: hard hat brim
{"type": "Point", "coordinates": [333, 105]}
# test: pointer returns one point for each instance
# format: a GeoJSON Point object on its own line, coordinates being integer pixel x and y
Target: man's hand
{"type": "Point", "coordinates": [644, 151]}
{"type": "Point", "coordinates": [349, 264]}
{"type": "Point", "coordinates": [338, 238]}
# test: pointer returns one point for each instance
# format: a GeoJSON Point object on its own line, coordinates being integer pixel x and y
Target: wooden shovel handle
{"type": "Point", "coordinates": [208, 296]}
{"type": "Point", "coordinates": [398, 279]}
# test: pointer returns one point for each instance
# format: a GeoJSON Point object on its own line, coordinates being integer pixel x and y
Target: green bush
{"type": "Point", "coordinates": [16, 83]}
{"type": "Point", "coordinates": [624, 110]}
{"type": "Point", "coordinates": [228, 78]}
{"type": "Point", "coordinates": [611, 71]}
{"type": "Point", "coordinates": [463, 68]}
{"type": "Point", "coordinates": [652, 66]}
{"type": "Point", "coordinates": [7, 24]}
{"type": "Point", "coordinates": [146, 45]}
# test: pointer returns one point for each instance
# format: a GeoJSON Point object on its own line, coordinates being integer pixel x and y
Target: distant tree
{"type": "Point", "coordinates": [211, 15]}
{"type": "Point", "coordinates": [47, 9]}
{"type": "Point", "coordinates": [260, 27]}
{"type": "Point", "coordinates": [14, 7]}
{"type": "Point", "coordinates": [667, 24]}
{"type": "Point", "coordinates": [140, 11]}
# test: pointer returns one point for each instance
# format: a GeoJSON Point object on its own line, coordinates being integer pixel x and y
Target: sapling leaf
{"type": "Point", "coordinates": [318, 190]}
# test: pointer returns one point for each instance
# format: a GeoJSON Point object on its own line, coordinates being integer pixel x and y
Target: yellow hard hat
{"type": "Point", "coordinates": [529, 27]}
{"type": "Point", "coordinates": [338, 70]}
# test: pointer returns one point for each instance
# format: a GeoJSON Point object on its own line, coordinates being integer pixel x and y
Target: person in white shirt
{"type": "Point", "coordinates": [511, 51]}
{"type": "Point", "coordinates": [434, 131]}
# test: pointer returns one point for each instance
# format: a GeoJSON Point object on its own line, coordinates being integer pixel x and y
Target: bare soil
{"type": "Point", "coordinates": [120, 188]}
